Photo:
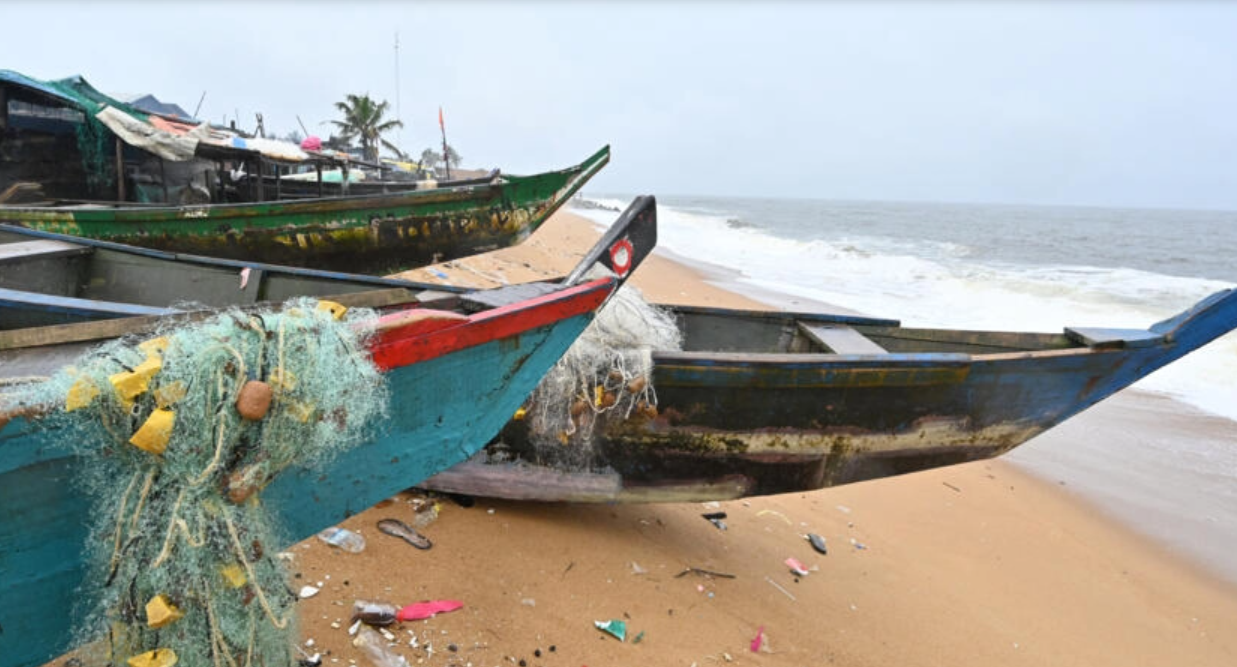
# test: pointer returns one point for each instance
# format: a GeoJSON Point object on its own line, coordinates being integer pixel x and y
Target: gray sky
{"type": "Point", "coordinates": [1111, 103]}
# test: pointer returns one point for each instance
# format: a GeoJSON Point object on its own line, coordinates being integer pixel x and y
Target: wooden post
{"type": "Point", "coordinates": [260, 180]}
{"type": "Point", "coordinates": [4, 109]}
{"type": "Point", "coordinates": [163, 178]}
{"type": "Point", "coordinates": [344, 183]}
{"type": "Point", "coordinates": [318, 168]}
{"type": "Point", "coordinates": [278, 182]}
{"type": "Point", "coordinates": [120, 170]}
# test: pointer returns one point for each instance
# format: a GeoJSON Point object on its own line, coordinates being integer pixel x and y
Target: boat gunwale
{"type": "Point", "coordinates": [205, 261]}
{"type": "Point", "coordinates": [824, 360]}
{"type": "Point", "coordinates": [404, 346]}
{"type": "Point", "coordinates": [224, 211]}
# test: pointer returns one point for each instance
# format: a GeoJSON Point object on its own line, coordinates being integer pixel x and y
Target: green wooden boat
{"type": "Point", "coordinates": [367, 234]}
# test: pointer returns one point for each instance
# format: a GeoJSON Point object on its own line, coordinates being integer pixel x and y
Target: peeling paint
{"type": "Point", "coordinates": [370, 233]}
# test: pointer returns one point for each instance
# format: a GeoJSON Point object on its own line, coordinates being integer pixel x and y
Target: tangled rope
{"type": "Point", "coordinates": [179, 434]}
{"type": "Point", "coordinates": [605, 373]}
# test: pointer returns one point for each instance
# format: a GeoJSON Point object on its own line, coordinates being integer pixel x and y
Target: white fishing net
{"type": "Point", "coordinates": [606, 373]}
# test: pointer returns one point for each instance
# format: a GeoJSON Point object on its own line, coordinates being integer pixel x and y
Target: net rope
{"type": "Point", "coordinates": [186, 523]}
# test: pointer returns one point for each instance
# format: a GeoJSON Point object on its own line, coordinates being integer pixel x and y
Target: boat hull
{"type": "Point", "coordinates": [437, 383]}
{"type": "Point", "coordinates": [745, 424]}
{"type": "Point", "coordinates": [367, 234]}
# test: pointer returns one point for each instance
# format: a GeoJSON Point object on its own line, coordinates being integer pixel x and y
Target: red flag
{"type": "Point", "coordinates": [440, 123]}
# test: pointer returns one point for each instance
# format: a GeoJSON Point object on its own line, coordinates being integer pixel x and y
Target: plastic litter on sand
{"type": "Point", "coordinates": [423, 610]}
{"type": "Point", "coordinates": [615, 628]}
{"type": "Point", "coordinates": [344, 539]}
{"type": "Point", "coordinates": [818, 543]}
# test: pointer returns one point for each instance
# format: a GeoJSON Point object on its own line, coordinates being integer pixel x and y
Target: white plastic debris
{"type": "Point", "coordinates": [308, 591]}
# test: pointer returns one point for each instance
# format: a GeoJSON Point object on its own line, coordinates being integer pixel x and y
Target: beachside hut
{"type": "Point", "coordinates": [65, 139]}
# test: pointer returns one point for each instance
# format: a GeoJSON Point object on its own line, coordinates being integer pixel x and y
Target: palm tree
{"type": "Point", "coordinates": [363, 120]}
{"type": "Point", "coordinates": [430, 158]}
{"type": "Point", "coordinates": [453, 158]}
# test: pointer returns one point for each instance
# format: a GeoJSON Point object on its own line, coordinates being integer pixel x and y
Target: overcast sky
{"type": "Point", "coordinates": [1111, 103]}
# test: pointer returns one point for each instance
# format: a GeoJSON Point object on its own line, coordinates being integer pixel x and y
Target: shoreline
{"type": "Point", "coordinates": [1111, 457]}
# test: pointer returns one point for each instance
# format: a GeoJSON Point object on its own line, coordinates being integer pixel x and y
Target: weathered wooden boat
{"type": "Point", "coordinates": [458, 365]}
{"type": "Point", "coordinates": [375, 233]}
{"type": "Point", "coordinates": [764, 403]}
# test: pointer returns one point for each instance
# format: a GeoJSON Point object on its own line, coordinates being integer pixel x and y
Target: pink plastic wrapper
{"type": "Point", "coordinates": [758, 640]}
{"type": "Point", "coordinates": [311, 143]}
{"type": "Point", "coordinates": [796, 566]}
{"type": "Point", "coordinates": [424, 610]}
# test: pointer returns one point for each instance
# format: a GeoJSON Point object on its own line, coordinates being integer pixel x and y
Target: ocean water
{"type": "Point", "coordinates": [1007, 268]}
{"type": "Point", "coordinates": [1170, 475]}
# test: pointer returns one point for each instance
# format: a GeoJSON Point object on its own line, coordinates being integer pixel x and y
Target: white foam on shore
{"type": "Point", "coordinates": [928, 284]}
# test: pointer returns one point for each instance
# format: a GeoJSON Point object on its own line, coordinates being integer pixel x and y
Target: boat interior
{"type": "Point", "coordinates": [756, 332]}
{"type": "Point", "coordinates": [49, 281]}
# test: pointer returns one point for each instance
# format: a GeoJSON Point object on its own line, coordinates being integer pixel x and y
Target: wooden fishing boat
{"type": "Point", "coordinates": [763, 403]}
{"type": "Point", "coordinates": [376, 233]}
{"type": "Point", "coordinates": [457, 364]}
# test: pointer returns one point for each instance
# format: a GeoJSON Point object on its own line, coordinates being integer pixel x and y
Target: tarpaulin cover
{"type": "Point", "coordinates": [167, 139]}
{"type": "Point", "coordinates": [174, 147]}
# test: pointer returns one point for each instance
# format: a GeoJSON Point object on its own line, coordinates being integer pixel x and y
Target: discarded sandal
{"type": "Point", "coordinates": [397, 528]}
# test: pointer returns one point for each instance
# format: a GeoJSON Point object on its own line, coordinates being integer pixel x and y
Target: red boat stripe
{"type": "Point", "coordinates": [408, 345]}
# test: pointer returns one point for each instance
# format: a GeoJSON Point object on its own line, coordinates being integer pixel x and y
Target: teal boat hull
{"type": "Point", "coordinates": [434, 424]}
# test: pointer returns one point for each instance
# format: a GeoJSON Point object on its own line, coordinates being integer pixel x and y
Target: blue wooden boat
{"type": "Point", "coordinates": [762, 403]}
{"type": "Point", "coordinates": [458, 365]}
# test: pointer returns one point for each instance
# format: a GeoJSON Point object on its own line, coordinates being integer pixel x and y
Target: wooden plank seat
{"type": "Point", "coordinates": [841, 339]}
{"type": "Point", "coordinates": [1101, 337]}
{"type": "Point", "coordinates": [502, 296]}
{"type": "Point", "coordinates": [40, 249]}
{"type": "Point", "coordinates": [90, 308]}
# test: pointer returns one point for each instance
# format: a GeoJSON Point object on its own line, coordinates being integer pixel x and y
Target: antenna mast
{"type": "Point", "coordinates": [399, 114]}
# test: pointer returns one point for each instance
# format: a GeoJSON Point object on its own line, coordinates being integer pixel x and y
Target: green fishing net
{"type": "Point", "coordinates": [97, 146]}
{"type": "Point", "coordinates": [183, 552]}
{"type": "Point", "coordinates": [605, 374]}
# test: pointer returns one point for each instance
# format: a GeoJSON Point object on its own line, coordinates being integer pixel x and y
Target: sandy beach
{"type": "Point", "coordinates": [979, 564]}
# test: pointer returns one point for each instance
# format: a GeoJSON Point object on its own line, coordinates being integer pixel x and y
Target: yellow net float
{"type": "Point", "coordinates": [155, 432]}
{"type": "Point", "coordinates": [160, 612]}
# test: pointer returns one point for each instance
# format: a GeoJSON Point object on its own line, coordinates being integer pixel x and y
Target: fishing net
{"type": "Point", "coordinates": [96, 145]}
{"type": "Point", "coordinates": [605, 374]}
{"type": "Point", "coordinates": [178, 435]}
